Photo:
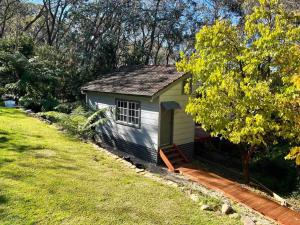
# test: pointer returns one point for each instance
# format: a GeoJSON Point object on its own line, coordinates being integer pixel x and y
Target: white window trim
{"type": "Point", "coordinates": [127, 123]}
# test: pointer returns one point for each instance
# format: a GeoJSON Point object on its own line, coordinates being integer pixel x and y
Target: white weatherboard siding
{"type": "Point", "coordinates": [184, 126]}
{"type": "Point", "coordinates": [146, 135]}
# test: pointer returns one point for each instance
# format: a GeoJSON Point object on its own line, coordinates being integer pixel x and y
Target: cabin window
{"type": "Point", "coordinates": [128, 112]}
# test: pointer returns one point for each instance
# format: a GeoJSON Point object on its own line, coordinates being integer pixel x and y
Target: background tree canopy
{"type": "Point", "coordinates": [49, 49]}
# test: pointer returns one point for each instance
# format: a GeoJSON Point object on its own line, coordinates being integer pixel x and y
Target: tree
{"type": "Point", "coordinates": [38, 80]}
{"type": "Point", "coordinates": [75, 41]}
{"type": "Point", "coordinates": [295, 104]}
{"type": "Point", "coordinates": [34, 82]}
{"type": "Point", "coordinates": [243, 79]}
{"type": "Point", "coordinates": [8, 9]}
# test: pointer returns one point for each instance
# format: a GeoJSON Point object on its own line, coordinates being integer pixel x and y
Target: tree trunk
{"type": "Point", "coordinates": [245, 162]}
{"type": "Point", "coordinates": [152, 36]}
{"type": "Point", "coordinates": [246, 157]}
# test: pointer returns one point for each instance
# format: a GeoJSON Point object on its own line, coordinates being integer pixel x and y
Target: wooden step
{"type": "Point", "coordinates": [177, 163]}
{"type": "Point", "coordinates": [169, 150]}
{"type": "Point", "coordinates": [173, 157]}
{"type": "Point", "coordinates": [176, 159]}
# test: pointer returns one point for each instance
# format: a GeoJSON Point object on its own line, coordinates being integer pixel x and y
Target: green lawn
{"type": "Point", "coordinates": [47, 177]}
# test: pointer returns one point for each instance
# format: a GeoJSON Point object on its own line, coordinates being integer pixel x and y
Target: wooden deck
{"type": "Point", "coordinates": [234, 191]}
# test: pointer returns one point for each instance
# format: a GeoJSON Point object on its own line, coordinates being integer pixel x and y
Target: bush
{"type": "Point", "coordinates": [29, 102]}
{"type": "Point", "coordinates": [67, 107]}
{"type": "Point", "coordinates": [2, 91]}
{"type": "Point", "coordinates": [73, 124]}
{"type": "Point", "coordinates": [53, 116]}
{"type": "Point", "coordinates": [48, 104]}
{"type": "Point", "coordinates": [274, 172]}
{"type": "Point", "coordinates": [80, 110]}
{"type": "Point", "coordinates": [36, 104]}
{"type": "Point", "coordinates": [79, 122]}
{"type": "Point", "coordinates": [2, 104]}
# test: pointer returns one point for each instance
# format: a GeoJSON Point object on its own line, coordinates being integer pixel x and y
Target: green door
{"type": "Point", "coordinates": [166, 127]}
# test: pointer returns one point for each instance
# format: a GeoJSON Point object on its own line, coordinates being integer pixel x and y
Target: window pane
{"type": "Point", "coordinates": [128, 112]}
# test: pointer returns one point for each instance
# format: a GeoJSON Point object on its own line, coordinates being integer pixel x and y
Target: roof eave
{"type": "Point", "coordinates": [116, 93]}
{"type": "Point", "coordinates": [158, 93]}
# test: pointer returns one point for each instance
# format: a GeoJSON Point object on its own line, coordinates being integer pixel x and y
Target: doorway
{"type": "Point", "coordinates": [166, 127]}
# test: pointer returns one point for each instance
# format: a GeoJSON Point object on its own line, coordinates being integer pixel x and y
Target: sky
{"type": "Point", "coordinates": [233, 18]}
{"type": "Point", "coordinates": [36, 1]}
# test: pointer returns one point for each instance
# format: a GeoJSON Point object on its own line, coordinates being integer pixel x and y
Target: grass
{"type": "Point", "coordinates": [47, 177]}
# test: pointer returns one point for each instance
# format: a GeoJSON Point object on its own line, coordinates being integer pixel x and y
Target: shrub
{"type": "Point", "coordinates": [37, 104]}
{"type": "Point", "coordinates": [73, 124]}
{"type": "Point", "coordinates": [53, 116]}
{"type": "Point", "coordinates": [96, 119]}
{"type": "Point", "coordinates": [30, 102]}
{"type": "Point", "coordinates": [67, 107]}
{"type": "Point", "coordinates": [2, 104]}
{"type": "Point", "coordinates": [48, 104]}
{"type": "Point", "coordinates": [274, 172]}
{"type": "Point", "coordinates": [2, 91]}
{"type": "Point", "coordinates": [80, 110]}
{"type": "Point", "coordinates": [79, 122]}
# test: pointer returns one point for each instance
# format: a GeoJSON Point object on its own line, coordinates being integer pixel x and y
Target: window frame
{"type": "Point", "coordinates": [127, 114]}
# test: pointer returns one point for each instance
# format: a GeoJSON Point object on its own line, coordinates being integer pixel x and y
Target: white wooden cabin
{"type": "Point", "coordinates": [146, 110]}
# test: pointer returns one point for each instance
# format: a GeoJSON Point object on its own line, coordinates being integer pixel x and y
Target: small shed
{"type": "Point", "coordinates": [146, 110]}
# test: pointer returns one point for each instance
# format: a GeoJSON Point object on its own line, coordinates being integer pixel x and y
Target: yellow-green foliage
{"type": "Point", "coordinates": [295, 152]}
{"type": "Point", "coordinates": [243, 77]}
{"type": "Point", "coordinates": [294, 155]}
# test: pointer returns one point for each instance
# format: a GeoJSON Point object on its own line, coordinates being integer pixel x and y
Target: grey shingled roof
{"type": "Point", "coordinates": [138, 80]}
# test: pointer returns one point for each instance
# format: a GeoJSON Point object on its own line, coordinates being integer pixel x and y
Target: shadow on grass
{"type": "Point", "coordinates": [3, 200]}
{"type": "Point", "coordinates": [53, 162]}
{"type": "Point", "coordinates": [62, 167]}
{"type": "Point", "coordinates": [3, 139]}
{"type": "Point", "coordinates": [4, 161]}
{"type": "Point", "coordinates": [14, 175]}
{"type": "Point", "coordinates": [7, 144]}
{"type": "Point", "coordinates": [11, 113]}
{"type": "Point", "coordinates": [18, 148]}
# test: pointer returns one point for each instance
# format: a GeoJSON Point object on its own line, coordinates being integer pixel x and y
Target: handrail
{"type": "Point", "coordinates": [166, 160]}
{"type": "Point", "coordinates": [181, 153]}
